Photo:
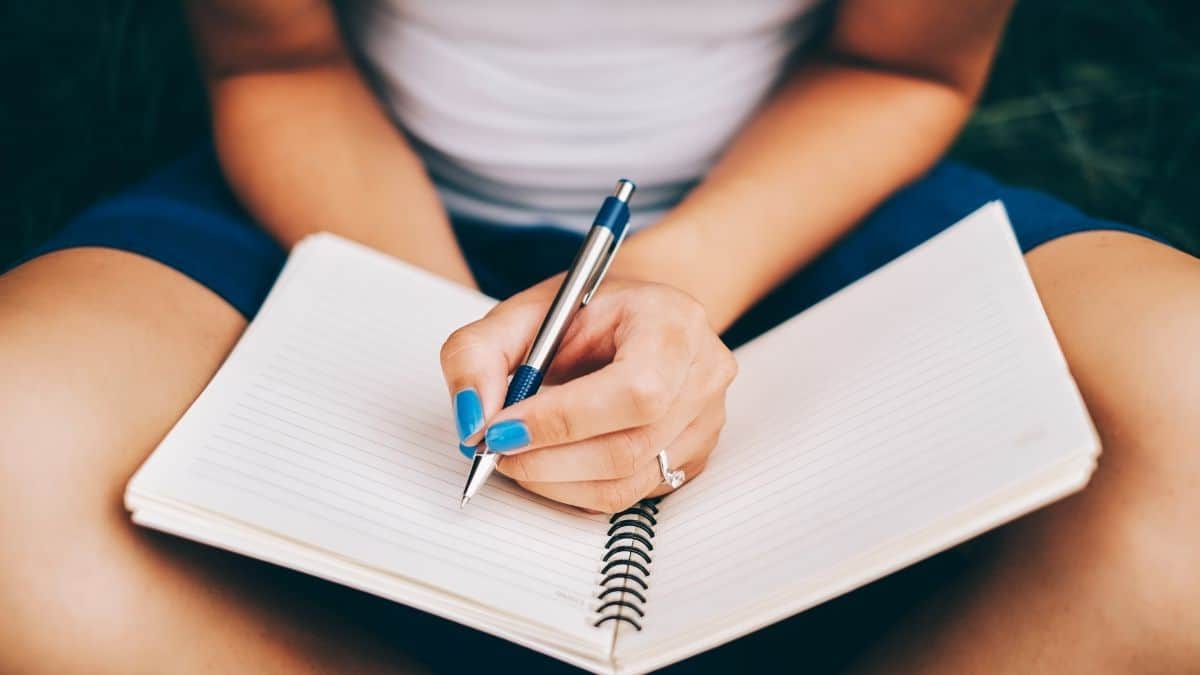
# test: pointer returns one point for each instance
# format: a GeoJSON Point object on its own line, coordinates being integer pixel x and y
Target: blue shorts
{"type": "Point", "coordinates": [185, 217]}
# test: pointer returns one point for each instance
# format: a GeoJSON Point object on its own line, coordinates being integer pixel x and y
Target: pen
{"type": "Point", "coordinates": [578, 286]}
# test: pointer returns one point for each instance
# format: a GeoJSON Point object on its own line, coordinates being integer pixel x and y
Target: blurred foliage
{"type": "Point", "coordinates": [1092, 101]}
{"type": "Point", "coordinates": [1096, 102]}
{"type": "Point", "coordinates": [95, 94]}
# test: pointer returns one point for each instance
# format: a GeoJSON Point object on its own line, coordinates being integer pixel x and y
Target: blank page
{"type": "Point", "coordinates": [928, 395]}
{"type": "Point", "coordinates": [330, 425]}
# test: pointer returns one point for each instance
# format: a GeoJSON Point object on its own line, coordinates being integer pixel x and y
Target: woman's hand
{"type": "Point", "coordinates": [639, 371]}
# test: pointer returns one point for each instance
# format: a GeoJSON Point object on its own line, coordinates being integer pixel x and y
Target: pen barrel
{"type": "Point", "coordinates": [578, 281]}
{"type": "Point", "coordinates": [613, 216]}
{"type": "Point", "coordinates": [582, 279]}
{"type": "Point", "coordinates": [525, 383]}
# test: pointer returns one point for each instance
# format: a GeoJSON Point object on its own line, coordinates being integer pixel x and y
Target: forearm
{"type": "Point", "coordinates": [311, 150]}
{"type": "Point", "coordinates": [303, 141]}
{"type": "Point", "coordinates": [831, 145]}
{"type": "Point", "coordinates": [896, 84]}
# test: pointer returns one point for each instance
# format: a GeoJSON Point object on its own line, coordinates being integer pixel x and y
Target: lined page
{"type": "Point", "coordinates": [329, 425]}
{"type": "Point", "coordinates": [908, 400]}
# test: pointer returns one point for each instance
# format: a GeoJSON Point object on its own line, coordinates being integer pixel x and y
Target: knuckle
{"type": "Point", "coordinates": [654, 294]}
{"type": "Point", "coordinates": [641, 443]}
{"type": "Point", "coordinates": [694, 311]}
{"type": "Point", "coordinates": [679, 337]}
{"type": "Point", "coordinates": [681, 304]}
{"type": "Point", "coordinates": [649, 396]}
{"type": "Point", "coordinates": [515, 467]}
{"type": "Point", "coordinates": [672, 335]}
{"type": "Point", "coordinates": [556, 426]}
{"type": "Point", "coordinates": [615, 495]}
{"type": "Point", "coordinates": [689, 316]}
{"type": "Point", "coordinates": [458, 342]}
{"type": "Point", "coordinates": [665, 301]}
{"type": "Point", "coordinates": [728, 367]}
{"type": "Point", "coordinates": [718, 420]}
{"type": "Point", "coordinates": [623, 454]}
{"type": "Point", "coordinates": [711, 441]}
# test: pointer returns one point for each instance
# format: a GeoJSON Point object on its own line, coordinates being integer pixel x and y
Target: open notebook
{"type": "Point", "coordinates": [920, 406]}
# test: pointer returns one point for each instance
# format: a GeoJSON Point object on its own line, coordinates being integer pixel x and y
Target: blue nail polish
{"type": "Point", "coordinates": [468, 412]}
{"type": "Point", "coordinates": [507, 436]}
{"type": "Point", "coordinates": [467, 451]}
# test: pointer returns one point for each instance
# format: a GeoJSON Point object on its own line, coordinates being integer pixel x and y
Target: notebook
{"type": "Point", "coordinates": [916, 408]}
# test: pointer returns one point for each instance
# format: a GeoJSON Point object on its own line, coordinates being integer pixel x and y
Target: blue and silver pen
{"type": "Point", "coordinates": [578, 287]}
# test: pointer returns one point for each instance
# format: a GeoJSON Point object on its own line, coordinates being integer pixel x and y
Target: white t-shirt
{"type": "Point", "coordinates": [527, 111]}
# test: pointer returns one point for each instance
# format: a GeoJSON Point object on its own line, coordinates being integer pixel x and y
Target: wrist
{"type": "Point", "coordinates": [674, 254]}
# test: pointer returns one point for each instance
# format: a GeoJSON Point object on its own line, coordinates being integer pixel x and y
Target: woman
{"type": "Point", "coordinates": [775, 167]}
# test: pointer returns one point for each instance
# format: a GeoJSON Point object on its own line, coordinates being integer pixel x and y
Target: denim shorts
{"type": "Point", "coordinates": [185, 217]}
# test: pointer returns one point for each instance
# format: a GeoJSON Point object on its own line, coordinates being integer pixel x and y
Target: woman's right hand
{"type": "Point", "coordinates": [640, 370]}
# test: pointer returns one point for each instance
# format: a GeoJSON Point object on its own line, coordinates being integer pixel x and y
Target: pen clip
{"type": "Point", "coordinates": [594, 284]}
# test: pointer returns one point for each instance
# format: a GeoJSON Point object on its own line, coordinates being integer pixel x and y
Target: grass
{"type": "Point", "coordinates": [1092, 101]}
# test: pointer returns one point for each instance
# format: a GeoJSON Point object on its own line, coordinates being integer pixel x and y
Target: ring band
{"type": "Point", "coordinates": [673, 478]}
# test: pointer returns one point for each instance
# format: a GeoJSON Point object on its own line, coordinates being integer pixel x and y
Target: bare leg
{"type": "Point", "coordinates": [102, 351]}
{"type": "Point", "coordinates": [1106, 581]}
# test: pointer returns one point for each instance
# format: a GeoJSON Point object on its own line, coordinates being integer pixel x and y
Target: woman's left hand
{"type": "Point", "coordinates": [640, 370]}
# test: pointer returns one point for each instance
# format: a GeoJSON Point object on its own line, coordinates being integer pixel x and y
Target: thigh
{"type": "Point", "coordinates": [103, 350]}
{"type": "Point", "coordinates": [1126, 312]}
{"type": "Point", "coordinates": [1103, 581]}
{"type": "Point", "coordinates": [108, 331]}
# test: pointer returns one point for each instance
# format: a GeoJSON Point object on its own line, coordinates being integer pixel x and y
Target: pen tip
{"type": "Point", "coordinates": [463, 503]}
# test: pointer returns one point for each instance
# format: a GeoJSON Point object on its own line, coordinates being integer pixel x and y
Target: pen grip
{"type": "Point", "coordinates": [525, 383]}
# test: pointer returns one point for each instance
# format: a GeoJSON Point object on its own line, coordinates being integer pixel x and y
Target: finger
{"type": "Point", "coordinates": [690, 452]}
{"type": "Point", "coordinates": [692, 449]}
{"type": "Point", "coordinates": [476, 360]}
{"type": "Point", "coordinates": [637, 388]}
{"type": "Point", "coordinates": [618, 454]}
{"type": "Point", "coordinates": [606, 496]}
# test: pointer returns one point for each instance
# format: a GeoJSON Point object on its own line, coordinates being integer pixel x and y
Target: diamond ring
{"type": "Point", "coordinates": [673, 478]}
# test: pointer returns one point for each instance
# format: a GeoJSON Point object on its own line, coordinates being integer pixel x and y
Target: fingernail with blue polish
{"type": "Point", "coordinates": [467, 451]}
{"type": "Point", "coordinates": [468, 412]}
{"type": "Point", "coordinates": [507, 436]}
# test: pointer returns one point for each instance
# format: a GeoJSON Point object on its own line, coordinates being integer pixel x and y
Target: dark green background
{"type": "Point", "coordinates": [1093, 100]}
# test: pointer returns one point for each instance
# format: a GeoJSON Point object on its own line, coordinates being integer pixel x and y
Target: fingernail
{"type": "Point", "coordinates": [468, 412]}
{"type": "Point", "coordinates": [467, 451]}
{"type": "Point", "coordinates": [507, 436]}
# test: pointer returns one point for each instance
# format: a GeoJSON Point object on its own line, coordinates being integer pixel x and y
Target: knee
{"type": "Point", "coordinates": [1145, 488]}
{"type": "Point", "coordinates": [1147, 380]}
{"type": "Point", "coordinates": [1126, 311]}
{"type": "Point", "coordinates": [65, 605]}
{"type": "Point", "coordinates": [1139, 574]}
{"type": "Point", "coordinates": [62, 610]}
{"type": "Point", "coordinates": [1127, 314]}
{"type": "Point", "coordinates": [1128, 542]}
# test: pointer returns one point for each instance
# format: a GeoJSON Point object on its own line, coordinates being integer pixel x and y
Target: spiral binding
{"type": "Point", "coordinates": [626, 565]}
